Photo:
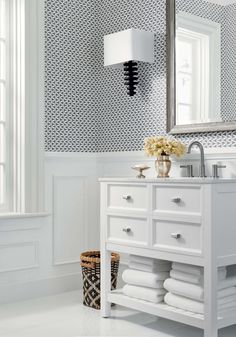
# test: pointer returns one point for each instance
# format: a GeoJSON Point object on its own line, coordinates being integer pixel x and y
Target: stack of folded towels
{"type": "Point", "coordinates": [145, 278]}
{"type": "Point", "coordinates": [186, 288]}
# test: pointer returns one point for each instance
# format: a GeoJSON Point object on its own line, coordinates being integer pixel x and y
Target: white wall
{"type": "Point", "coordinates": [40, 255]}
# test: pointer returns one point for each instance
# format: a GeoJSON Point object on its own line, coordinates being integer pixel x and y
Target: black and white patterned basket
{"type": "Point", "coordinates": [90, 263]}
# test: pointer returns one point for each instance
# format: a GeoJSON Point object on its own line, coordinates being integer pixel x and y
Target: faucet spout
{"type": "Point", "coordinates": [202, 169]}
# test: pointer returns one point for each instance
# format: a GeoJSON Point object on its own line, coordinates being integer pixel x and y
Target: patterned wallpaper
{"type": "Point", "coordinates": [229, 64]}
{"type": "Point", "coordinates": [87, 108]}
{"type": "Point", "coordinates": [70, 85]}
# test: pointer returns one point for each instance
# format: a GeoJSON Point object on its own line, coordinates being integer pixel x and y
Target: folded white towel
{"type": "Point", "coordinates": [226, 300]}
{"type": "Point", "coordinates": [145, 279]}
{"type": "Point", "coordinates": [146, 260]}
{"type": "Point", "coordinates": [182, 276]}
{"type": "Point", "coordinates": [187, 268]}
{"type": "Point", "coordinates": [195, 279]}
{"type": "Point", "coordinates": [196, 292]}
{"type": "Point", "coordinates": [184, 303]}
{"type": "Point", "coordinates": [148, 268]}
{"type": "Point", "coordinates": [228, 282]}
{"type": "Point", "coordinates": [181, 288]}
{"type": "Point", "coordinates": [192, 305]}
{"type": "Point", "coordinates": [225, 306]}
{"type": "Point", "coordinates": [196, 270]}
{"type": "Point", "coordinates": [143, 293]}
{"type": "Point", "coordinates": [227, 292]}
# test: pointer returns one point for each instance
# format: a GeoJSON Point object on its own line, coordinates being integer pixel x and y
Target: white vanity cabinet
{"type": "Point", "coordinates": [184, 220]}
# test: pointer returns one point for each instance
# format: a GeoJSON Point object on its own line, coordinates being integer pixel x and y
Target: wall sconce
{"type": "Point", "coordinates": [127, 48]}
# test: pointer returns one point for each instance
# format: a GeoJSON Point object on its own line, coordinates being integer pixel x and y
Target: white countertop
{"type": "Point", "coordinates": [181, 180]}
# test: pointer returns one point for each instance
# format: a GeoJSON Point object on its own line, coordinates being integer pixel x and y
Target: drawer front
{"type": "Point", "coordinates": [125, 230]}
{"type": "Point", "coordinates": [127, 197]}
{"type": "Point", "coordinates": [177, 199]}
{"type": "Point", "coordinates": [177, 236]}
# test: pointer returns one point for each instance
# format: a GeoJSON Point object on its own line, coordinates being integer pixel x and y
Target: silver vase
{"type": "Point", "coordinates": [163, 166]}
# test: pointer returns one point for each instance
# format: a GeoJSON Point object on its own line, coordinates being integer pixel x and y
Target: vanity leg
{"type": "Point", "coordinates": [210, 301]}
{"type": "Point", "coordinates": [105, 282]}
{"type": "Point", "coordinates": [210, 331]}
{"type": "Point", "coordinates": [210, 269]}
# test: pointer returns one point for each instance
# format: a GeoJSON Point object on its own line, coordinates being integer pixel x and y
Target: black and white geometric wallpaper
{"type": "Point", "coordinates": [70, 84]}
{"type": "Point", "coordinates": [87, 108]}
{"type": "Point", "coordinates": [229, 64]}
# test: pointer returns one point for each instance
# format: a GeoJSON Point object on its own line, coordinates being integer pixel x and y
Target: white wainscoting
{"type": "Point", "coordinates": [70, 224]}
{"type": "Point", "coordinates": [19, 256]}
{"type": "Point", "coordinates": [40, 255]}
{"type": "Point", "coordinates": [119, 164]}
{"type": "Point", "coordinates": [84, 170]}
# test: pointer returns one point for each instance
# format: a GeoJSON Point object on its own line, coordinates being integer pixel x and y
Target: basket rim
{"type": "Point", "coordinates": [86, 256]}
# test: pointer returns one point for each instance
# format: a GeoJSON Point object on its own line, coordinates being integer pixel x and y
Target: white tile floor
{"type": "Point", "coordinates": [64, 316]}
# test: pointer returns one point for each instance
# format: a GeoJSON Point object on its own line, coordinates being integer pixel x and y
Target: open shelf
{"type": "Point", "coordinates": [165, 311]}
{"type": "Point", "coordinates": [160, 309]}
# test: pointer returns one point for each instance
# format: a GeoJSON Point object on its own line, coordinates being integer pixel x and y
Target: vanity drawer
{"type": "Point", "coordinates": [182, 237]}
{"type": "Point", "coordinates": [127, 197]}
{"type": "Point", "coordinates": [177, 199]}
{"type": "Point", "coordinates": [125, 230]}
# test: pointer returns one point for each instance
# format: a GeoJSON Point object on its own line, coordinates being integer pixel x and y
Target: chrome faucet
{"type": "Point", "coordinates": [202, 171]}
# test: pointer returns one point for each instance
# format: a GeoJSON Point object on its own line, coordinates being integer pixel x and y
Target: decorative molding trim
{"type": "Point", "coordinates": [19, 227]}
{"type": "Point", "coordinates": [55, 180]}
{"type": "Point", "coordinates": [96, 155]}
{"type": "Point", "coordinates": [224, 153]}
{"type": "Point", "coordinates": [23, 222]}
{"type": "Point", "coordinates": [23, 215]}
{"type": "Point", "coordinates": [34, 244]}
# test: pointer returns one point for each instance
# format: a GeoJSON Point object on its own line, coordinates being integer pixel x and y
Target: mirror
{"type": "Point", "coordinates": [201, 47]}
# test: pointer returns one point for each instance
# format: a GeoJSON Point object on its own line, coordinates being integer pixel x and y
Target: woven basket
{"type": "Point", "coordinates": [90, 263]}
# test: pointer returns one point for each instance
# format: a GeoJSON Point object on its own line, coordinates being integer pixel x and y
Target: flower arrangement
{"type": "Point", "coordinates": [162, 146]}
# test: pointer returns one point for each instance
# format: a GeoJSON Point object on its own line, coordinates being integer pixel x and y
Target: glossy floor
{"type": "Point", "coordinates": [64, 316]}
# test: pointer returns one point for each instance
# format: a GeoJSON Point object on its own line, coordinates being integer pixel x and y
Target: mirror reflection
{"type": "Point", "coordinates": [205, 68]}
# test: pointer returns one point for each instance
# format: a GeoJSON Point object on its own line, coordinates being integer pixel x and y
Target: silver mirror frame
{"type": "Point", "coordinates": [172, 128]}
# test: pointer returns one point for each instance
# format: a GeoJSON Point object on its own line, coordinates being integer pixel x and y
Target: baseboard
{"type": "Point", "coordinates": [39, 288]}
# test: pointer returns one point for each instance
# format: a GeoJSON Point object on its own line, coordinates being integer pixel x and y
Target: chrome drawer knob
{"type": "Point", "coordinates": [126, 197]}
{"type": "Point", "coordinates": [176, 200]}
{"type": "Point", "coordinates": [176, 235]}
{"type": "Point", "coordinates": [126, 230]}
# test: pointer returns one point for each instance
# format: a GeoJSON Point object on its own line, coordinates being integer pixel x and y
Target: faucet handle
{"type": "Point", "coordinates": [215, 170]}
{"type": "Point", "coordinates": [189, 170]}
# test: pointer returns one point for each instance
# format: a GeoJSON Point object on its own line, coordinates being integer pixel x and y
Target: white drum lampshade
{"type": "Point", "coordinates": [126, 48]}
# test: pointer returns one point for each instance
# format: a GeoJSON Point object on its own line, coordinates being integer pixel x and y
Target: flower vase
{"type": "Point", "coordinates": [163, 166]}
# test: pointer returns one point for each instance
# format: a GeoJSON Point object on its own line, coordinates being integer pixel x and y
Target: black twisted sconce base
{"type": "Point", "coordinates": [131, 76]}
